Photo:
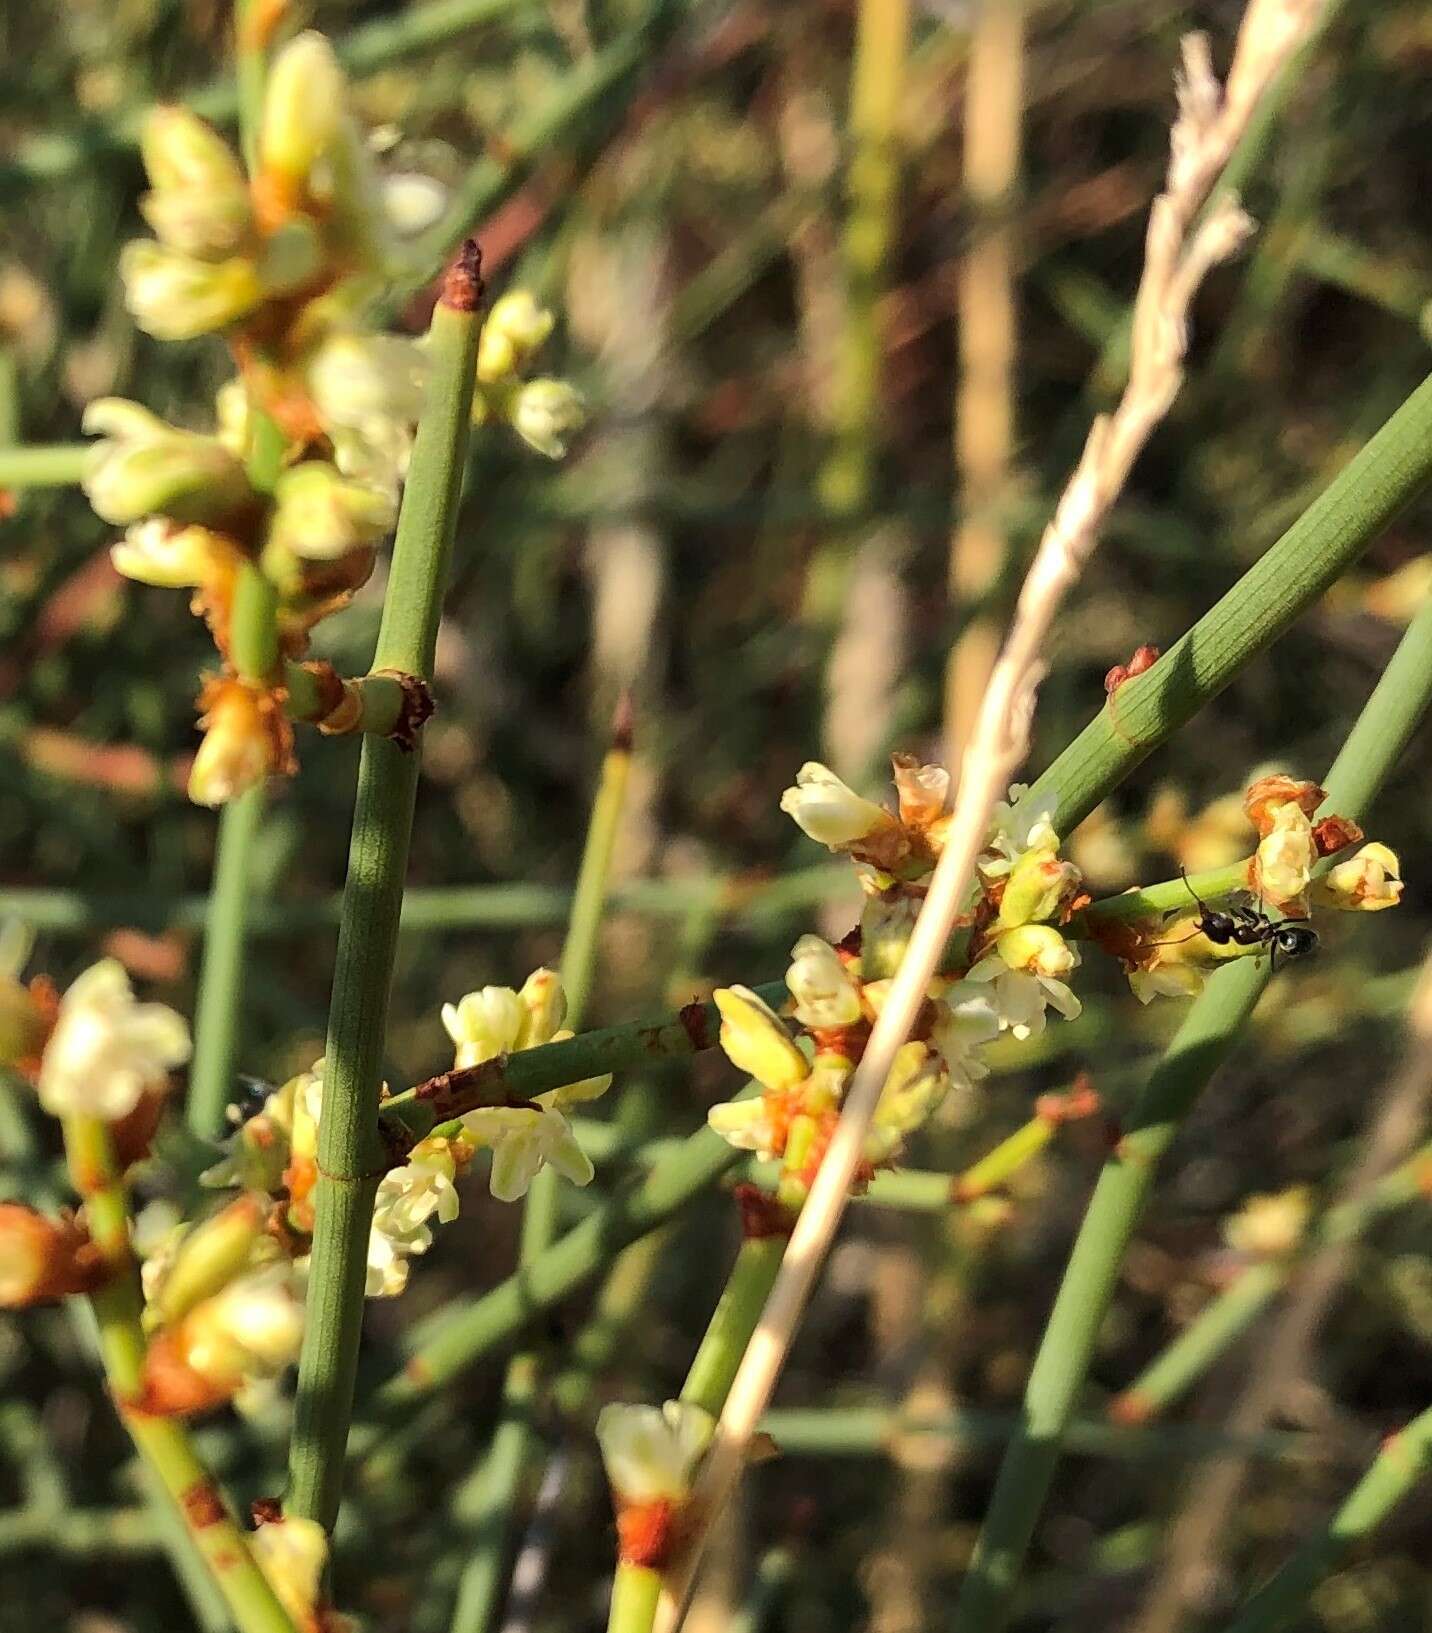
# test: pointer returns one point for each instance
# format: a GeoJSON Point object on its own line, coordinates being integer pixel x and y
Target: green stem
{"type": "Point", "coordinates": [635, 1592]}
{"type": "Point", "coordinates": [221, 979]}
{"type": "Point", "coordinates": [349, 1160]}
{"type": "Point", "coordinates": [734, 1320]}
{"type": "Point", "coordinates": [1384, 476]}
{"type": "Point", "coordinates": [758, 903]}
{"type": "Point", "coordinates": [1403, 1461]}
{"type": "Point", "coordinates": [490, 1496]}
{"type": "Point", "coordinates": [38, 466]}
{"type": "Point", "coordinates": [1228, 1316]}
{"type": "Point", "coordinates": [1152, 900]}
{"type": "Point", "coordinates": [161, 1442]}
{"type": "Point", "coordinates": [1207, 1036]}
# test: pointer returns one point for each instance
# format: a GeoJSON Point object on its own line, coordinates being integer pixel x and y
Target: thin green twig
{"type": "Point", "coordinates": [349, 1155]}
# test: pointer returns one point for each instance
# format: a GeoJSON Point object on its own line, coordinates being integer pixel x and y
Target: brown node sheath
{"type": "Point", "coordinates": [266, 1510]}
{"type": "Point", "coordinates": [623, 723]}
{"type": "Point", "coordinates": [462, 283]}
{"type": "Point", "coordinates": [416, 709]}
{"type": "Point", "coordinates": [762, 1216]}
{"type": "Point", "coordinates": [202, 1505]}
{"type": "Point", "coordinates": [695, 1025]}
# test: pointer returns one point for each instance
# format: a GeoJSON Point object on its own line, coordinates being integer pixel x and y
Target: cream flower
{"type": "Point", "coordinates": [515, 328]}
{"type": "Point", "coordinates": [173, 296]}
{"type": "Point", "coordinates": [142, 466]}
{"type": "Point", "coordinates": [1366, 883]}
{"type": "Point", "coordinates": [821, 985]}
{"type": "Point", "coordinates": [755, 1040]}
{"type": "Point", "coordinates": [291, 1553]}
{"type": "Point", "coordinates": [1270, 1225]}
{"type": "Point", "coordinates": [1286, 854]}
{"type": "Point", "coordinates": [408, 1197]}
{"type": "Point", "coordinates": [651, 1453]}
{"type": "Point", "coordinates": [251, 1330]}
{"type": "Point", "coordinates": [523, 1140]}
{"type": "Point", "coordinates": [320, 516]}
{"type": "Point", "coordinates": [159, 551]}
{"type": "Point", "coordinates": [1016, 826]}
{"type": "Point", "coordinates": [829, 812]}
{"type": "Point", "coordinates": [547, 414]}
{"type": "Point", "coordinates": [966, 1019]}
{"type": "Point", "coordinates": [106, 1049]}
{"type": "Point", "coordinates": [748, 1126]}
{"type": "Point", "coordinates": [1024, 973]}
{"type": "Point", "coordinates": [484, 1024]}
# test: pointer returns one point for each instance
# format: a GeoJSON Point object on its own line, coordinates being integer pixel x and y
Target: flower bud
{"type": "Point", "coordinates": [292, 1552]}
{"type": "Point", "coordinates": [917, 1083]}
{"type": "Point", "coordinates": [1283, 865]}
{"type": "Point", "coordinates": [248, 1332]}
{"type": "Point", "coordinates": [200, 201]}
{"type": "Point", "coordinates": [819, 982]}
{"type": "Point", "coordinates": [1366, 883]}
{"type": "Point", "coordinates": [44, 1259]}
{"type": "Point", "coordinates": [408, 1197]}
{"type": "Point", "coordinates": [246, 739]}
{"type": "Point", "coordinates": [106, 1050]}
{"type": "Point", "coordinates": [206, 1259]}
{"type": "Point", "coordinates": [515, 328]}
{"type": "Point", "coordinates": [833, 815]}
{"type": "Point", "coordinates": [755, 1040]}
{"type": "Point", "coordinates": [303, 114]}
{"type": "Point", "coordinates": [749, 1125]}
{"type": "Point", "coordinates": [320, 516]}
{"type": "Point", "coordinates": [159, 551]}
{"type": "Point", "coordinates": [546, 414]}
{"type": "Point", "coordinates": [143, 466]}
{"type": "Point", "coordinates": [178, 297]}
{"type": "Point", "coordinates": [545, 1002]}
{"type": "Point", "coordinates": [1037, 949]}
{"type": "Point", "coordinates": [651, 1453]}
{"type": "Point", "coordinates": [1037, 886]}
{"type": "Point", "coordinates": [484, 1024]}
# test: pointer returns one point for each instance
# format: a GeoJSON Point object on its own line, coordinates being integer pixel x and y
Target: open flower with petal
{"type": "Point", "coordinates": [966, 1019]}
{"type": "Point", "coordinates": [1025, 971]}
{"type": "Point", "coordinates": [523, 1140]}
{"type": "Point", "coordinates": [408, 1197]}
{"type": "Point", "coordinates": [107, 1049]}
{"type": "Point", "coordinates": [142, 466]}
{"type": "Point", "coordinates": [1286, 853]}
{"type": "Point", "coordinates": [171, 555]}
{"type": "Point", "coordinates": [828, 811]}
{"type": "Point", "coordinates": [484, 1024]}
{"type": "Point", "coordinates": [651, 1453]}
{"type": "Point", "coordinates": [1366, 883]}
{"type": "Point", "coordinates": [174, 296]}
{"type": "Point", "coordinates": [755, 1040]}
{"type": "Point", "coordinates": [824, 992]}
{"type": "Point", "coordinates": [751, 1125]}
{"type": "Point", "coordinates": [1018, 825]}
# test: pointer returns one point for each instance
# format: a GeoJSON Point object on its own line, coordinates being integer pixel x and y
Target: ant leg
{"type": "Point", "coordinates": [1177, 941]}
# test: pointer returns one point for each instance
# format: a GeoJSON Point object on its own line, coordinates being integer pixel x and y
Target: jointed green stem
{"type": "Point", "coordinates": [39, 466]}
{"type": "Point", "coordinates": [162, 1442]}
{"type": "Point", "coordinates": [1207, 1036]}
{"type": "Point", "coordinates": [349, 1156]}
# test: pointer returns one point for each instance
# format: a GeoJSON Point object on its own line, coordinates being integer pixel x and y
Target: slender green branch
{"type": "Point", "coordinates": [1384, 476]}
{"type": "Point", "coordinates": [1403, 1462]}
{"type": "Point", "coordinates": [218, 1004]}
{"type": "Point", "coordinates": [1228, 1316]}
{"type": "Point", "coordinates": [39, 466]}
{"type": "Point", "coordinates": [349, 1159]}
{"type": "Point", "coordinates": [490, 1496]}
{"type": "Point", "coordinates": [755, 902]}
{"type": "Point", "coordinates": [161, 1442]}
{"type": "Point", "coordinates": [1206, 1038]}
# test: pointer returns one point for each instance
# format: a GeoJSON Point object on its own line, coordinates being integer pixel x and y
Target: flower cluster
{"type": "Point", "coordinates": [1287, 872]}
{"type": "Point", "coordinates": [285, 265]}
{"type": "Point", "coordinates": [1006, 969]}
{"type": "Point", "coordinates": [274, 1152]}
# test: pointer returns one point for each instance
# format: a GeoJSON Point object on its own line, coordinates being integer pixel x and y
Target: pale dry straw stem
{"type": "Point", "coordinates": [1204, 134]}
{"type": "Point", "coordinates": [1194, 1560]}
{"type": "Point", "coordinates": [987, 325]}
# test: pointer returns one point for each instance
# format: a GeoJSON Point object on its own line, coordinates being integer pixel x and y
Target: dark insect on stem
{"type": "Point", "coordinates": [1245, 926]}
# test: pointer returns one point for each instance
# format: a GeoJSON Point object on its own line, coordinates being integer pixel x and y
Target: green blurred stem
{"type": "Point", "coordinates": [161, 1442]}
{"type": "Point", "coordinates": [1228, 1316]}
{"type": "Point", "coordinates": [1383, 477]}
{"type": "Point", "coordinates": [490, 1497]}
{"type": "Point", "coordinates": [733, 1322]}
{"type": "Point", "coordinates": [458, 907]}
{"type": "Point", "coordinates": [38, 466]}
{"type": "Point", "coordinates": [350, 1158]}
{"type": "Point", "coordinates": [79, 1532]}
{"type": "Point", "coordinates": [635, 1592]}
{"type": "Point", "coordinates": [1402, 1463]}
{"type": "Point", "coordinates": [219, 999]}
{"type": "Point", "coordinates": [1206, 1038]}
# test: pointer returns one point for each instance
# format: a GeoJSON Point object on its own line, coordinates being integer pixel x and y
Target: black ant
{"type": "Point", "coordinates": [1245, 926]}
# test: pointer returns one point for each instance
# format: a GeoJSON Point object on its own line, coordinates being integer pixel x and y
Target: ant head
{"type": "Point", "coordinates": [1293, 940]}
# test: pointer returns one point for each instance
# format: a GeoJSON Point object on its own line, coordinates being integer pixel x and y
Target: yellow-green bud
{"type": "Point", "coordinates": [1037, 884]}
{"type": "Point", "coordinates": [755, 1040]}
{"type": "Point", "coordinates": [177, 297]}
{"type": "Point", "coordinates": [144, 467]}
{"type": "Point", "coordinates": [200, 200]}
{"type": "Point", "coordinates": [546, 1005]}
{"type": "Point", "coordinates": [209, 1257]}
{"type": "Point", "coordinates": [1038, 949]}
{"type": "Point", "coordinates": [320, 516]}
{"type": "Point", "coordinates": [515, 327]}
{"type": "Point", "coordinates": [304, 108]}
{"type": "Point", "coordinates": [546, 414]}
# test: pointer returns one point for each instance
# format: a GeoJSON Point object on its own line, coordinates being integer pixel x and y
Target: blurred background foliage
{"type": "Point", "coordinates": [703, 549]}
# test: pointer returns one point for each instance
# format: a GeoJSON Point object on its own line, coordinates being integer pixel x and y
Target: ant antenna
{"type": "Point", "coordinates": [1203, 905]}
